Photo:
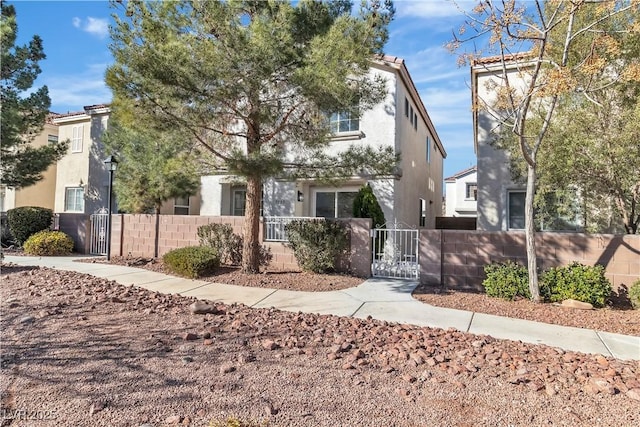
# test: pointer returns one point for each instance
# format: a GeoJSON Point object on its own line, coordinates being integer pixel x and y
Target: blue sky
{"type": "Point", "coordinates": [76, 38]}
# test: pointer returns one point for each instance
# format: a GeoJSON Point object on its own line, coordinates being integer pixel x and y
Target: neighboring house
{"type": "Point", "coordinates": [40, 194]}
{"type": "Point", "coordinates": [500, 199]}
{"type": "Point", "coordinates": [412, 197]}
{"type": "Point", "coordinates": [82, 178]}
{"type": "Point", "coordinates": [461, 193]}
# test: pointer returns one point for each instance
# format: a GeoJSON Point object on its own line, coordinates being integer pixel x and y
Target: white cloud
{"type": "Point", "coordinates": [96, 26]}
{"type": "Point", "coordinates": [71, 92]}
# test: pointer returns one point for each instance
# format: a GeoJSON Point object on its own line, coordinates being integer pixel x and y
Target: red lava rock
{"type": "Point", "coordinates": [403, 392]}
{"type": "Point", "coordinates": [409, 378]}
{"type": "Point", "coordinates": [270, 345]}
{"type": "Point", "coordinates": [227, 368]}
{"type": "Point", "coordinates": [173, 419]}
{"type": "Point", "coordinates": [207, 342]}
{"type": "Point", "coordinates": [633, 393]}
{"type": "Point", "coordinates": [190, 336]}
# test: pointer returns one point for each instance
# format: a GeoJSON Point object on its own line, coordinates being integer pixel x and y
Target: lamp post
{"type": "Point", "coordinates": [112, 165]}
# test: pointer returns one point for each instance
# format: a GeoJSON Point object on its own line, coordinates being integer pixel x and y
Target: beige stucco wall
{"type": "Point", "coordinates": [41, 193]}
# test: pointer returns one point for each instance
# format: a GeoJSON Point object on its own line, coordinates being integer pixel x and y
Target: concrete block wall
{"type": "Point", "coordinates": [134, 235]}
{"type": "Point", "coordinates": [463, 254]}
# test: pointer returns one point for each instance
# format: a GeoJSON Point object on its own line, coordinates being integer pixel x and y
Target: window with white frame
{"type": "Point", "coordinates": [334, 203]}
{"type": "Point", "coordinates": [423, 213]}
{"type": "Point", "coordinates": [76, 138]}
{"type": "Point", "coordinates": [52, 139]}
{"type": "Point", "coordinates": [74, 199]}
{"type": "Point", "coordinates": [181, 206]}
{"type": "Point", "coordinates": [344, 121]}
{"type": "Point", "coordinates": [516, 210]}
{"type": "Point", "coordinates": [471, 192]}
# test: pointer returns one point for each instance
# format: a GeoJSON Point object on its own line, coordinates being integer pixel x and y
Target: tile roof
{"type": "Point", "coordinates": [462, 173]}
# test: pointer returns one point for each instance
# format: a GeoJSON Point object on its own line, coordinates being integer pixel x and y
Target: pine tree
{"type": "Point", "coordinates": [22, 117]}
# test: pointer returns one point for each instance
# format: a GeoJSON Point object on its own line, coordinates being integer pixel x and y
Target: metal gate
{"type": "Point", "coordinates": [395, 252]}
{"type": "Point", "coordinates": [98, 235]}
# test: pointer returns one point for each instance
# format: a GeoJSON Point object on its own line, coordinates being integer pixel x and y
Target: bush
{"type": "Point", "coordinates": [506, 280]}
{"type": "Point", "coordinates": [366, 205]}
{"type": "Point", "coordinates": [48, 243]}
{"type": "Point", "coordinates": [28, 220]}
{"type": "Point", "coordinates": [192, 261]}
{"type": "Point", "coordinates": [228, 245]}
{"type": "Point", "coordinates": [579, 282]}
{"type": "Point", "coordinates": [316, 244]}
{"type": "Point", "coordinates": [634, 294]}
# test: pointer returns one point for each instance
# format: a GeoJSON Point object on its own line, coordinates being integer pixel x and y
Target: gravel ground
{"type": "Point", "coordinates": [83, 351]}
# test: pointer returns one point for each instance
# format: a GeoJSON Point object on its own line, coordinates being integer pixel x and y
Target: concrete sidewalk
{"type": "Point", "coordinates": [383, 299]}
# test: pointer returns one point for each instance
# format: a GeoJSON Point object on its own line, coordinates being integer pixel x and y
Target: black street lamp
{"type": "Point", "coordinates": [112, 165]}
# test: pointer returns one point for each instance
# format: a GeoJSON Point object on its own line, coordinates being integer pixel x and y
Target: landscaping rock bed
{"type": "Point", "coordinates": [79, 350]}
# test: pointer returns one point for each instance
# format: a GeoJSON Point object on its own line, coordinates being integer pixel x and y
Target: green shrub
{"type": "Point", "coordinates": [366, 205]}
{"type": "Point", "coordinates": [579, 282]}
{"type": "Point", "coordinates": [191, 261]}
{"type": "Point", "coordinates": [634, 294]}
{"type": "Point", "coordinates": [316, 244]}
{"type": "Point", "coordinates": [222, 239]}
{"type": "Point", "coordinates": [507, 280]}
{"type": "Point", "coordinates": [28, 220]}
{"type": "Point", "coordinates": [48, 243]}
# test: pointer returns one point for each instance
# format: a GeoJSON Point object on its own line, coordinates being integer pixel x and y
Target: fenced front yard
{"type": "Point", "coordinates": [452, 258]}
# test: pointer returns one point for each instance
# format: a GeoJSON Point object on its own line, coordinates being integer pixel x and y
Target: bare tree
{"type": "Point", "coordinates": [543, 49]}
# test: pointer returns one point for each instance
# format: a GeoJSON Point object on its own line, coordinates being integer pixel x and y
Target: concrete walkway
{"type": "Point", "coordinates": [383, 299]}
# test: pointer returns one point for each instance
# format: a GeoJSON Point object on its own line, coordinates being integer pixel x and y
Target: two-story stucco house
{"type": "Point", "coordinates": [412, 197]}
{"type": "Point", "coordinates": [461, 193]}
{"type": "Point", "coordinates": [82, 177]}
{"type": "Point", "coordinates": [41, 193]}
{"type": "Point", "coordinates": [500, 203]}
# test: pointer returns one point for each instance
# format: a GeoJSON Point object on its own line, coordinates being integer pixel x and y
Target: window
{"type": "Point", "coordinates": [428, 150]}
{"type": "Point", "coordinates": [423, 213]}
{"type": "Point", "coordinates": [74, 199]}
{"type": "Point", "coordinates": [181, 206]}
{"type": "Point", "coordinates": [334, 204]}
{"type": "Point", "coordinates": [516, 210]}
{"type": "Point", "coordinates": [238, 202]}
{"type": "Point", "coordinates": [344, 122]}
{"type": "Point", "coordinates": [52, 139]}
{"type": "Point", "coordinates": [415, 122]}
{"type": "Point", "coordinates": [406, 107]}
{"type": "Point", "coordinates": [472, 191]}
{"type": "Point", "coordinates": [411, 115]}
{"type": "Point", "coordinates": [76, 139]}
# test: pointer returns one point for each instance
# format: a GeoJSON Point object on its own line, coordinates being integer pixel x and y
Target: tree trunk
{"type": "Point", "coordinates": [251, 230]}
{"type": "Point", "coordinates": [530, 234]}
{"type": "Point", "coordinates": [156, 240]}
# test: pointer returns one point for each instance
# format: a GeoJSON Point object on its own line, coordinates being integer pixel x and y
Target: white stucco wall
{"type": "Point", "coordinates": [457, 204]}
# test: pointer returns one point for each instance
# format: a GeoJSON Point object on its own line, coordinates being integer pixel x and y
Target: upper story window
{"type": "Point", "coordinates": [471, 192]}
{"type": "Point", "coordinates": [52, 139]}
{"type": "Point", "coordinates": [406, 107]}
{"type": "Point", "coordinates": [415, 121]}
{"type": "Point", "coordinates": [76, 139]}
{"type": "Point", "coordinates": [428, 149]}
{"type": "Point", "coordinates": [344, 122]}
